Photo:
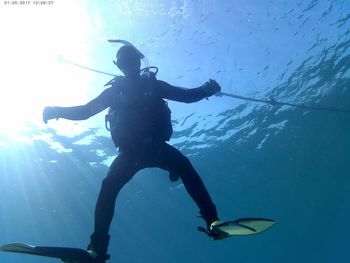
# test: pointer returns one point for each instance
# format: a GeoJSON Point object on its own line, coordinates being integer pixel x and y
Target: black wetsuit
{"type": "Point", "coordinates": [137, 152]}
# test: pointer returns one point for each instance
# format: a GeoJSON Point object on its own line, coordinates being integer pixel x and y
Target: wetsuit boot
{"type": "Point", "coordinates": [98, 248]}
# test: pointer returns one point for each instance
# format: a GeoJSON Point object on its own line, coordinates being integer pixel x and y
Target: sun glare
{"type": "Point", "coordinates": [33, 76]}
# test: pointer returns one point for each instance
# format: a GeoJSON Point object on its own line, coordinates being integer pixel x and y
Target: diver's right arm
{"type": "Point", "coordinates": [81, 112]}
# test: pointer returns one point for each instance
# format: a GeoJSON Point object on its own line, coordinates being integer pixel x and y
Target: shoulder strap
{"type": "Point", "coordinates": [113, 81]}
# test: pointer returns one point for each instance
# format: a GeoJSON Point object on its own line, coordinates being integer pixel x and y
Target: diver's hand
{"type": "Point", "coordinates": [50, 113]}
{"type": "Point", "coordinates": [211, 87]}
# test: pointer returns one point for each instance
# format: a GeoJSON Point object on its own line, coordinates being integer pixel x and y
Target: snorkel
{"type": "Point", "coordinates": [146, 69]}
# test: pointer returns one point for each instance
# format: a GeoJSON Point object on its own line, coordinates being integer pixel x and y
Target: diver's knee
{"type": "Point", "coordinates": [186, 164]}
{"type": "Point", "coordinates": [185, 169]}
{"type": "Point", "coordinates": [115, 182]}
{"type": "Point", "coordinates": [109, 184]}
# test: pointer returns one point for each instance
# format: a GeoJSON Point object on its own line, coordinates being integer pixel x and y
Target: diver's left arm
{"type": "Point", "coordinates": [170, 92]}
{"type": "Point", "coordinates": [81, 112]}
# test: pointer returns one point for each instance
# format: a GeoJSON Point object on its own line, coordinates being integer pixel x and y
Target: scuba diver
{"type": "Point", "coordinates": [140, 125]}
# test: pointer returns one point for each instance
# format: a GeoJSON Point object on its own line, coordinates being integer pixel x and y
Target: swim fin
{"type": "Point", "coordinates": [66, 254]}
{"type": "Point", "coordinates": [240, 227]}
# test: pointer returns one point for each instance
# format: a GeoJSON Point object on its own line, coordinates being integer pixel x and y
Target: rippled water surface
{"type": "Point", "coordinates": [257, 159]}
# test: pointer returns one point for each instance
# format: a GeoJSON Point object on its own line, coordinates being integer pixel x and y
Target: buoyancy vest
{"type": "Point", "coordinates": [138, 113]}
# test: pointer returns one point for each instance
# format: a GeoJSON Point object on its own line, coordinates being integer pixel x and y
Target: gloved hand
{"type": "Point", "coordinates": [211, 87]}
{"type": "Point", "coordinates": [50, 113]}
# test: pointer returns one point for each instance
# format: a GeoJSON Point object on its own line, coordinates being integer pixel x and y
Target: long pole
{"type": "Point", "coordinates": [271, 101]}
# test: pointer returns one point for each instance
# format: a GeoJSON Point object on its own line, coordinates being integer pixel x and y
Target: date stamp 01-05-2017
{"type": "Point", "coordinates": [26, 3]}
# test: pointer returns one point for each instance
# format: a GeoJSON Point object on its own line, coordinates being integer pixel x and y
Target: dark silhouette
{"type": "Point", "coordinates": [139, 120]}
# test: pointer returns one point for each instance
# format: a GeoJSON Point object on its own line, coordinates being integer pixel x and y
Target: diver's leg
{"type": "Point", "coordinates": [121, 171]}
{"type": "Point", "coordinates": [175, 162]}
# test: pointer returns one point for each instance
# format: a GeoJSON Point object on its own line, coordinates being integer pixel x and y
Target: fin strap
{"type": "Point", "coordinates": [213, 235]}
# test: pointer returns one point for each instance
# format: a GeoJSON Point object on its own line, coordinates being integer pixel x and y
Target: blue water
{"type": "Point", "coordinates": [257, 160]}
